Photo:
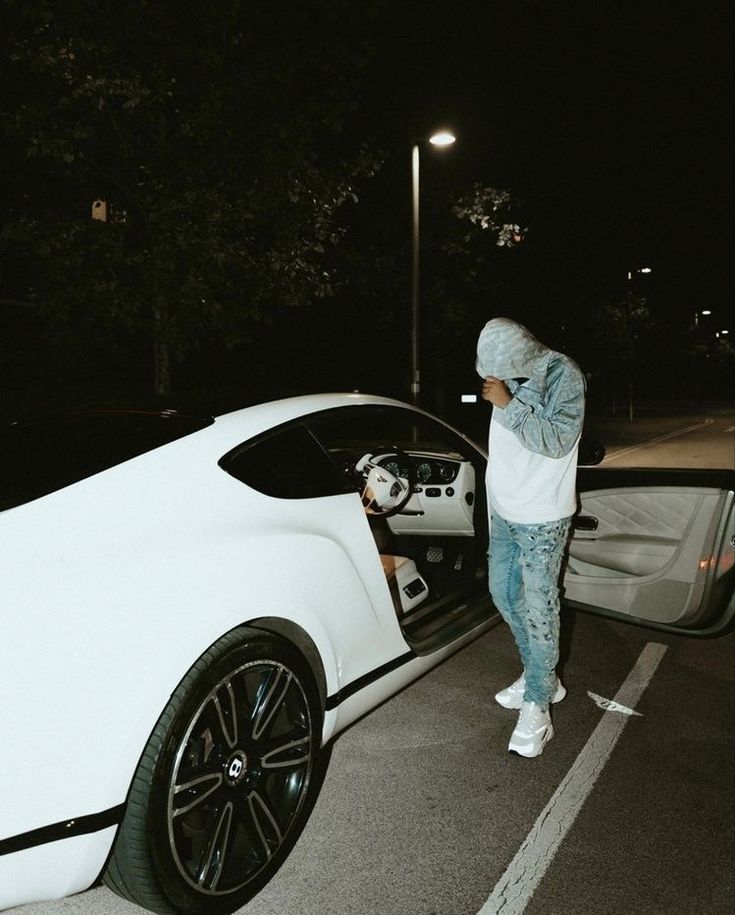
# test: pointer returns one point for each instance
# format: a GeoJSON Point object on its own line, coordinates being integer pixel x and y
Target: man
{"type": "Point", "coordinates": [538, 410]}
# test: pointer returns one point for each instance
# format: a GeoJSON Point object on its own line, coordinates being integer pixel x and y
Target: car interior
{"type": "Point", "coordinates": [434, 531]}
{"type": "Point", "coordinates": [418, 484]}
{"type": "Point", "coordinates": [428, 546]}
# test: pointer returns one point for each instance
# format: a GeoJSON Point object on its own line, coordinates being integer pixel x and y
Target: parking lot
{"type": "Point", "coordinates": [423, 810]}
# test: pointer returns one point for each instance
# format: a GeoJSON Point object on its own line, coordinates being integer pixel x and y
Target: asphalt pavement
{"type": "Point", "coordinates": [684, 438]}
{"type": "Point", "coordinates": [423, 810]}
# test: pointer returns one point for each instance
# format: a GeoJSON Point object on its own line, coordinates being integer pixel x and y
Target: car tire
{"type": "Point", "coordinates": [226, 782]}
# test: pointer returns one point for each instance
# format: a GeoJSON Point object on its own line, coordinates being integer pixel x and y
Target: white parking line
{"type": "Point", "coordinates": [654, 441]}
{"type": "Point", "coordinates": [524, 873]}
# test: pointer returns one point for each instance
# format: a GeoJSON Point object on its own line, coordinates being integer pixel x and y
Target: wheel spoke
{"type": "Point", "coordinates": [264, 823]}
{"type": "Point", "coordinates": [214, 853]}
{"type": "Point", "coordinates": [226, 708]}
{"type": "Point", "coordinates": [270, 700]}
{"type": "Point", "coordinates": [291, 754]}
{"type": "Point", "coordinates": [195, 791]}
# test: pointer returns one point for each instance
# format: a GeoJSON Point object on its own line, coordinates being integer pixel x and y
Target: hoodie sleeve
{"type": "Point", "coordinates": [550, 425]}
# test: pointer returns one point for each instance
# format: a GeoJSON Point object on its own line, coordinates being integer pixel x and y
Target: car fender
{"type": "Point", "coordinates": [101, 640]}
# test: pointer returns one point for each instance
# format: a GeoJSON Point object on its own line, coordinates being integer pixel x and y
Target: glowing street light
{"type": "Point", "coordinates": [704, 312]}
{"type": "Point", "coordinates": [440, 140]}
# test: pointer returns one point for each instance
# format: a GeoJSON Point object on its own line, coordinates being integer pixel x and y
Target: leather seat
{"type": "Point", "coordinates": [407, 585]}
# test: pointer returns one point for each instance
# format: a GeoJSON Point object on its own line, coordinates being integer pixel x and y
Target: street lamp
{"type": "Point", "coordinates": [440, 140]}
{"type": "Point", "coordinates": [631, 274]}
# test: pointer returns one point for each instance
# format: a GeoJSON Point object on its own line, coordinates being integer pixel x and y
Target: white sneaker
{"type": "Point", "coordinates": [533, 731]}
{"type": "Point", "coordinates": [512, 696]}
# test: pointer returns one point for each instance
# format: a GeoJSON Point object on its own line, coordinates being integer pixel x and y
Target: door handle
{"type": "Point", "coordinates": [585, 523]}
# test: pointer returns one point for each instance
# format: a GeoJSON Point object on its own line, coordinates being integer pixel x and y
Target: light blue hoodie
{"type": "Point", "coordinates": [548, 388]}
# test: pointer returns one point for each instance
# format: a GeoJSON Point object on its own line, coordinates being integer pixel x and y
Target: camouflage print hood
{"type": "Point", "coordinates": [506, 350]}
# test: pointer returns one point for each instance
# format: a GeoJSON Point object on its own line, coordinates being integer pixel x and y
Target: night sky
{"type": "Point", "coordinates": [611, 124]}
{"type": "Point", "coordinates": [617, 115]}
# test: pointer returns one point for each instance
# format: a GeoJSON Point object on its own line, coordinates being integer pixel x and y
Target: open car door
{"type": "Point", "coordinates": [655, 547]}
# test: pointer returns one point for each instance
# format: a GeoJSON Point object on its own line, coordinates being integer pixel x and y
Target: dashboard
{"type": "Point", "coordinates": [427, 469]}
{"type": "Point", "coordinates": [444, 497]}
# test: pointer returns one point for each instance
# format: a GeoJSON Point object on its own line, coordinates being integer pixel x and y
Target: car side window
{"type": "Point", "coordinates": [287, 464]}
{"type": "Point", "coordinates": [353, 430]}
{"type": "Point", "coordinates": [408, 443]}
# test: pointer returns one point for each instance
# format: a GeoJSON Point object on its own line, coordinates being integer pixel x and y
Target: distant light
{"type": "Point", "coordinates": [705, 311]}
{"type": "Point", "coordinates": [469, 398]}
{"type": "Point", "coordinates": [646, 270]}
{"type": "Point", "coordinates": [443, 138]}
{"type": "Point", "coordinates": [724, 331]}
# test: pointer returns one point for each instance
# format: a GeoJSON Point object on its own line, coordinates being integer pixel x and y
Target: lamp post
{"type": "Point", "coordinates": [631, 274]}
{"type": "Point", "coordinates": [700, 348]}
{"type": "Point", "coordinates": [441, 139]}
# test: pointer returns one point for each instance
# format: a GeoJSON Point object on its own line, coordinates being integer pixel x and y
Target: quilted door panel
{"type": "Point", "coordinates": [648, 555]}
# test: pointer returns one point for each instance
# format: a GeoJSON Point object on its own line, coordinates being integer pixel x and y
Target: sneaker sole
{"type": "Point", "coordinates": [515, 703]}
{"type": "Point", "coordinates": [530, 749]}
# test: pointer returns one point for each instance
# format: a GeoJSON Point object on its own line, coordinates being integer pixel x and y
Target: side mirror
{"type": "Point", "coordinates": [591, 451]}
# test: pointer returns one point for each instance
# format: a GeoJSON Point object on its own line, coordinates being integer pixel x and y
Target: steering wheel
{"type": "Point", "coordinates": [384, 493]}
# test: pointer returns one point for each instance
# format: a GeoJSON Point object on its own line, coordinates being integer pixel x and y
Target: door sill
{"type": "Point", "coordinates": [435, 625]}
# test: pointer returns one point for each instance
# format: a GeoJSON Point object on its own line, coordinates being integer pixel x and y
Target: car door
{"type": "Point", "coordinates": [655, 547]}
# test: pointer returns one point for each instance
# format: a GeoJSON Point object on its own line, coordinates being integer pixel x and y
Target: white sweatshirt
{"type": "Point", "coordinates": [533, 442]}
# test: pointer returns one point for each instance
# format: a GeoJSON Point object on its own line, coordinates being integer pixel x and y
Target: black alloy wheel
{"type": "Point", "coordinates": [226, 783]}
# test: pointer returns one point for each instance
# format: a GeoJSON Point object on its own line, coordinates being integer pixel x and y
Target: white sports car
{"type": "Point", "coordinates": [193, 607]}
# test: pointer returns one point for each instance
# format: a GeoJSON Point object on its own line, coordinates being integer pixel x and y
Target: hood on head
{"type": "Point", "coordinates": [508, 350]}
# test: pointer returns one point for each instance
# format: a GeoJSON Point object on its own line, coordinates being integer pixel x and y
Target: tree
{"type": "Point", "coordinates": [618, 332]}
{"type": "Point", "coordinates": [213, 133]}
{"type": "Point", "coordinates": [466, 255]}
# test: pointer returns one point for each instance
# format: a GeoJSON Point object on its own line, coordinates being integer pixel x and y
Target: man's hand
{"type": "Point", "coordinates": [496, 391]}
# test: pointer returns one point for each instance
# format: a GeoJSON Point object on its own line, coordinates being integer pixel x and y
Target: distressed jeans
{"type": "Point", "coordinates": [525, 564]}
